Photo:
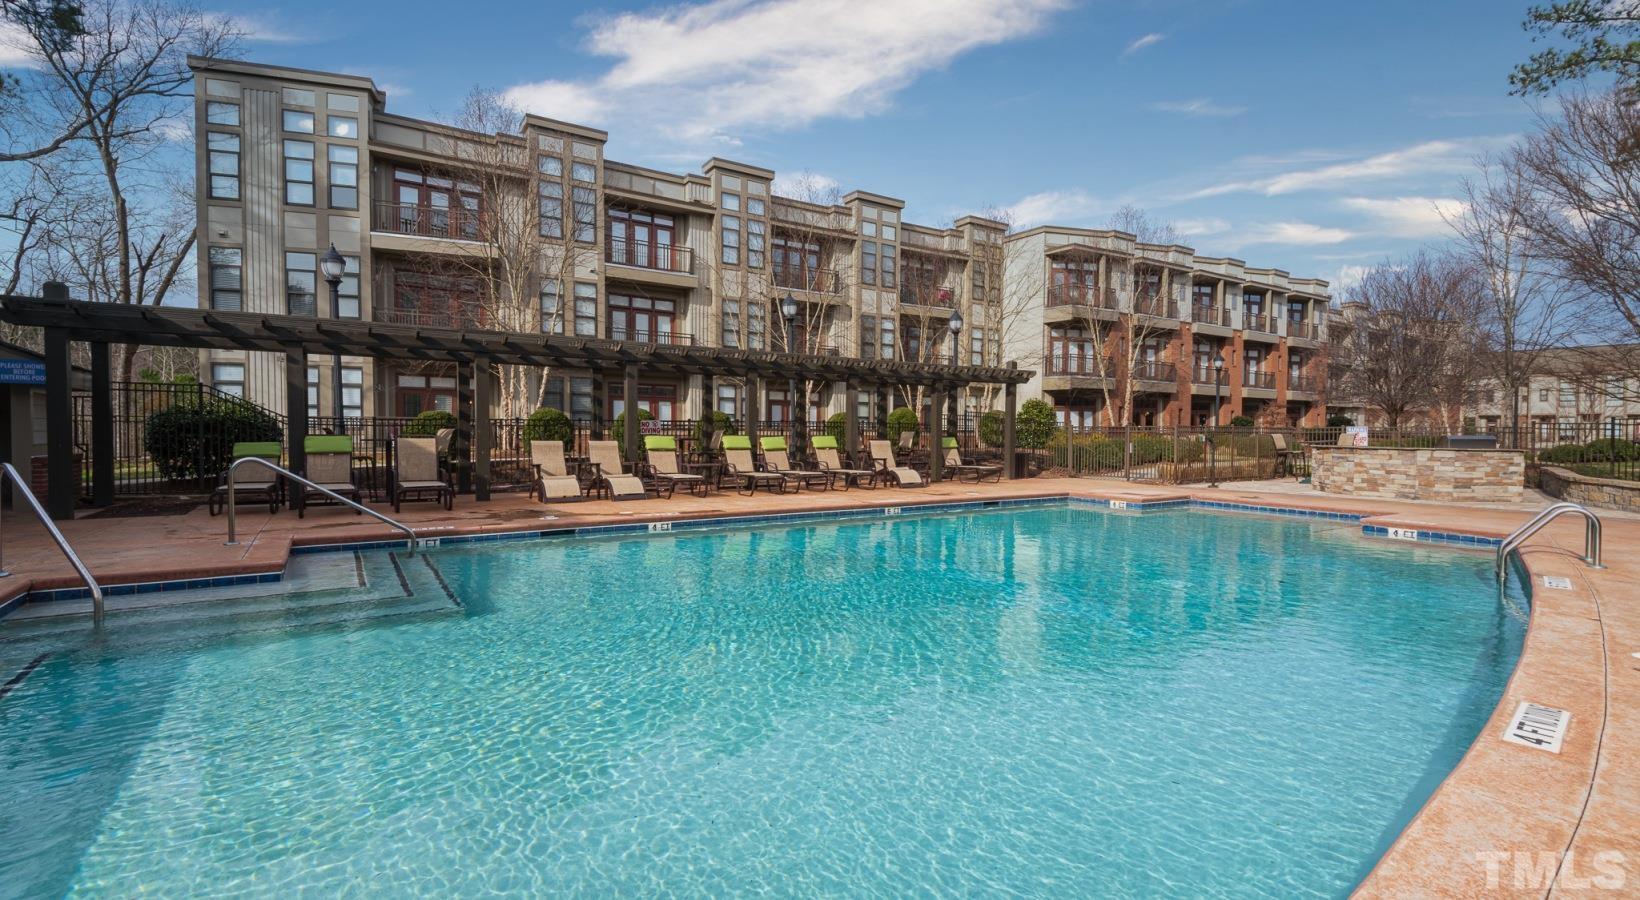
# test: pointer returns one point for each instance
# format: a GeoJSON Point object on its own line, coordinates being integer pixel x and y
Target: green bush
{"type": "Point", "coordinates": [1034, 424]}
{"type": "Point", "coordinates": [1241, 445]}
{"type": "Point", "coordinates": [1084, 453]}
{"type": "Point", "coordinates": [1242, 422]}
{"type": "Point", "coordinates": [837, 426]}
{"type": "Point", "coordinates": [1339, 421]}
{"type": "Point", "coordinates": [990, 428]}
{"type": "Point", "coordinates": [1611, 450]}
{"type": "Point", "coordinates": [710, 421]}
{"type": "Point", "coordinates": [195, 440]}
{"type": "Point", "coordinates": [428, 422]}
{"type": "Point", "coordinates": [901, 420]}
{"type": "Point", "coordinates": [1564, 455]}
{"type": "Point", "coordinates": [644, 415]}
{"type": "Point", "coordinates": [548, 424]}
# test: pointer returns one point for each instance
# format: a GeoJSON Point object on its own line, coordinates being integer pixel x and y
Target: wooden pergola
{"type": "Point", "coordinates": [474, 353]}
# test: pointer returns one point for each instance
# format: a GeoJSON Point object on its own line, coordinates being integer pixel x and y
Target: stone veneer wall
{"type": "Point", "coordinates": [1603, 492]}
{"type": "Point", "coordinates": [1420, 474]}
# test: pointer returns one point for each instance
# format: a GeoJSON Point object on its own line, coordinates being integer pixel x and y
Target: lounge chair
{"type": "Point", "coordinates": [553, 480]}
{"type": "Point", "coordinates": [329, 465]}
{"type": "Point", "coordinates": [776, 458]}
{"type": "Point", "coordinates": [417, 474]}
{"type": "Point", "coordinates": [661, 452]}
{"type": "Point", "coordinates": [1288, 458]}
{"type": "Point", "coordinates": [253, 484]}
{"type": "Point", "coordinates": [739, 466]}
{"type": "Point", "coordinates": [907, 439]}
{"type": "Point", "coordinates": [829, 460]}
{"type": "Point", "coordinates": [963, 471]}
{"type": "Point", "coordinates": [611, 478]}
{"type": "Point", "coordinates": [882, 458]}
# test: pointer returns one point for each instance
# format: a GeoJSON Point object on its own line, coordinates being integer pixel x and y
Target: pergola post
{"type": "Point", "coordinates": [480, 369]}
{"type": "Point", "coordinates": [851, 427]}
{"type": "Point", "coordinates": [882, 410]}
{"type": "Point", "coordinates": [59, 426]}
{"type": "Point", "coordinates": [102, 426]}
{"type": "Point", "coordinates": [461, 448]}
{"type": "Point", "coordinates": [951, 404]}
{"type": "Point", "coordinates": [1010, 397]}
{"type": "Point", "coordinates": [936, 452]}
{"type": "Point", "coordinates": [754, 408]}
{"type": "Point", "coordinates": [296, 419]}
{"type": "Point", "coordinates": [629, 412]}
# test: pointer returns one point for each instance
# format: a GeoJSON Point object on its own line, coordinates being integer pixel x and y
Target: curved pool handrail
{"type": "Point", "coordinates": [232, 522]}
{"type": "Point", "coordinates": [1591, 535]}
{"type": "Point", "coordinates": [22, 488]}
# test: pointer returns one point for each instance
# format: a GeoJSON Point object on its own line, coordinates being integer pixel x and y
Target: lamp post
{"type": "Point", "coordinates": [955, 324]}
{"type": "Point", "coordinates": [788, 309]}
{"type": "Point", "coordinates": [1212, 440]}
{"type": "Point", "coordinates": [332, 265]}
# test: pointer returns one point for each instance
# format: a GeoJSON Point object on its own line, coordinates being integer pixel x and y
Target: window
{"type": "Point", "coordinates": [1543, 395]}
{"type": "Point", "coordinates": [757, 326]}
{"type": "Point", "coordinates": [1070, 352]}
{"type": "Point", "coordinates": [886, 346]}
{"type": "Point", "coordinates": [730, 202]}
{"type": "Point", "coordinates": [343, 127]}
{"type": "Point", "coordinates": [586, 309]}
{"type": "Point", "coordinates": [347, 293]}
{"type": "Point", "coordinates": [552, 209]}
{"type": "Point", "coordinates": [754, 206]}
{"type": "Point", "coordinates": [976, 348]}
{"type": "Point", "coordinates": [754, 243]}
{"type": "Point", "coordinates": [888, 265]}
{"type": "Point", "coordinates": [298, 97]}
{"type": "Point", "coordinates": [299, 173]}
{"type": "Point", "coordinates": [313, 392]}
{"type": "Point", "coordinates": [342, 102]}
{"type": "Point", "coordinates": [728, 400]}
{"type": "Point", "coordinates": [868, 262]}
{"type": "Point", "coordinates": [434, 206]}
{"type": "Point", "coordinates": [219, 113]}
{"type": "Point", "coordinates": [581, 405]}
{"type": "Point", "coordinates": [419, 393]}
{"type": "Point", "coordinates": [225, 280]}
{"type": "Point", "coordinates": [222, 150]}
{"type": "Point", "coordinates": [352, 391]}
{"type": "Point", "coordinates": [344, 176]}
{"type": "Point", "coordinates": [552, 308]}
{"type": "Point", "coordinates": [229, 378]}
{"type": "Point", "coordinates": [549, 165]}
{"type": "Point", "coordinates": [641, 318]}
{"type": "Point", "coordinates": [586, 214]}
{"type": "Point", "coordinates": [888, 232]}
{"type": "Point", "coordinates": [646, 239]}
{"type": "Point", "coordinates": [298, 121]}
{"type": "Point", "coordinates": [300, 284]}
{"type": "Point", "coordinates": [1568, 394]}
{"type": "Point", "coordinates": [584, 172]}
{"type": "Point", "coordinates": [731, 240]}
{"type": "Point", "coordinates": [731, 323]}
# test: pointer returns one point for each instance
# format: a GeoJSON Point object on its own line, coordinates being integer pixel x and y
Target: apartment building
{"type": "Point", "coordinates": [432, 222]}
{"type": "Point", "coordinates": [1573, 394]}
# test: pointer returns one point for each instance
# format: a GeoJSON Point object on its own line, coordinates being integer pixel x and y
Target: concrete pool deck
{"type": "Point", "coordinates": [1509, 821]}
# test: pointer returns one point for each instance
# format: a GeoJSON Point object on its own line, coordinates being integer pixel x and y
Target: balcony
{"type": "Point", "coordinates": [1265, 381]}
{"type": "Point", "coordinates": [1079, 365]}
{"type": "Point", "coordinates": [1307, 330]}
{"type": "Point", "coordinates": [671, 338]}
{"type": "Point", "coordinates": [1207, 375]}
{"type": "Point", "coordinates": [930, 294]}
{"type": "Point", "coordinates": [1263, 324]}
{"type": "Point", "coordinates": [649, 255]}
{"type": "Point", "coordinates": [1155, 307]}
{"type": "Point", "coordinates": [1081, 295]}
{"type": "Point", "coordinates": [426, 221]}
{"type": "Point", "coordinates": [817, 281]}
{"type": "Point", "coordinates": [1208, 314]}
{"type": "Point", "coordinates": [1302, 383]}
{"type": "Point", "coordinates": [1154, 371]}
{"type": "Point", "coordinates": [437, 315]}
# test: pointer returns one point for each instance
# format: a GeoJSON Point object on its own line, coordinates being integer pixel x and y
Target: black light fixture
{"type": "Point", "coordinates": [1212, 443]}
{"type": "Point", "coordinates": [333, 266]}
{"type": "Point", "coordinates": [795, 408]}
{"type": "Point", "coordinates": [956, 328]}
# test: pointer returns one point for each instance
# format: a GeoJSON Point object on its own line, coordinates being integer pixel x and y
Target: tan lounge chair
{"type": "Point", "coordinates": [882, 457]}
{"type": "Point", "coordinates": [661, 452]}
{"type": "Point", "coordinates": [827, 456]}
{"type": "Point", "coordinates": [961, 470]}
{"type": "Point", "coordinates": [253, 484]}
{"type": "Point", "coordinates": [776, 458]}
{"type": "Point", "coordinates": [612, 478]}
{"type": "Point", "coordinates": [553, 480]}
{"type": "Point", "coordinates": [417, 475]}
{"type": "Point", "coordinates": [739, 466]}
{"type": "Point", "coordinates": [329, 465]}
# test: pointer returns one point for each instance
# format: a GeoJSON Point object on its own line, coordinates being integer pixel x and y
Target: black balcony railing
{"type": "Point", "coordinates": [1156, 307]}
{"type": "Point", "coordinates": [673, 338]}
{"type": "Point", "coordinates": [1154, 371]}
{"type": "Point", "coordinates": [1210, 314]}
{"type": "Point", "coordinates": [818, 281]}
{"type": "Point", "coordinates": [1209, 375]}
{"type": "Point", "coordinates": [1079, 365]}
{"type": "Point", "coordinates": [1307, 330]}
{"type": "Point", "coordinates": [1302, 383]}
{"type": "Point", "coordinates": [922, 293]}
{"type": "Point", "coordinates": [1080, 295]}
{"type": "Point", "coordinates": [441, 315]}
{"type": "Point", "coordinates": [649, 255]}
{"type": "Point", "coordinates": [1264, 380]}
{"type": "Point", "coordinates": [1263, 324]}
{"type": "Point", "coordinates": [428, 221]}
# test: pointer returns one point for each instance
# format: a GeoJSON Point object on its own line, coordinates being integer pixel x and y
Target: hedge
{"type": "Point", "coordinates": [901, 420]}
{"type": "Point", "coordinates": [191, 440]}
{"type": "Point", "coordinates": [548, 424]}
{"type": "Point", "coordinates": [428, 423]}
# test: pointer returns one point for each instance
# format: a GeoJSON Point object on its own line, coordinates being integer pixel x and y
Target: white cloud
{"type": "Point", "coordinates": [1302, 234]}
{"type": "Point", "coordinates": [699, 72]}
{"type": "Point", "coordinates": [810, 186]}
{"type": "Point", "coordinates": [1346, 279]}
{"type": "Point", "coordinates": [1430, 157]}
{"type": "Point", "coordinates": [1142, 42]}
{"type": "Point", "coordinates": [1200, 106]}
{"type": "Point", "coordinates": [1059, 207]}
{"type": "Point", "coordinates": [1201, 227]}
{"type": "Point", "coordinates": [260, 28]}
{"type": "Point", "coordinates": [1409, 217]}
{"type": "Point", "coordinates": [14, 42]}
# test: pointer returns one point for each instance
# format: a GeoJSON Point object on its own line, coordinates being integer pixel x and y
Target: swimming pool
{"type": "Point", "coordinates": [1036, 701]}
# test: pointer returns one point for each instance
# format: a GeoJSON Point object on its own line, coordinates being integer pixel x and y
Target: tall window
{"type": "Point", "coordinates": [225, 278]}
{"type": "Point", "coordinates": [641, 318]}
{"type": "Point", "coordinates": [1070, 352]}
{"type": "Point", "coordinates": [299, 173]}
{"type": "Point", "coordinates": [1252, 304]}
{"type": "Point", "coordinates": [731, 323]}
{"type": "Point", "coordinates": [352, 391]}
{"type": "Point", "coordinates": [797, 265]}
{"type": "Point", "coordinates": [755, 243]}
{"type": "Point", "coordinates": [435, 206]}
{"type": "Point", "coordinates": [298, 121]}
{"type": "Point", "coordinates": [229, 378]}
{"type": "Point", "coordinates": [1202, 295]}
{"type": "Point", "coordinates": [1074, 280]}
{"type": "Point", "coordinates": [886, 344]}
{"type": "Point", "coordinates": [586, 309]}
{"type": "Point", "coordinates": [581, 405]}
{"type": "Point", "coordinates": [549, 165]}
{"type": "Point", "coordinates": [552, 207]}
{"type": "Point", "coordinates": [976, 347]}
{"type": "Point", "coordinates": [757, 325]}
{"type": "Point", "coordinates": [552, 308]}
{"type": "Point", "coordinates": [419, 393]}
{"type": "Point", "coordinates": [728, 400]}
{"type": "Point", "coordinates": [347, 293]}
{"type": "Point", "coordinates": [343, 127]}
{"type": "Point", "coordinates": [222, 150]}
{"type": "Point", "coordinates": [640, 238]}
{"type": "Point", "coordinates": [868, 262]}
{"type": "Point", "coordinates": [344, 176]}
{"type": "Point", "coordinates": [300, 283]}
{"type": "Point", "coordinates": [219, 113]}
{"type": "Point", "coordinates": [585, 202]}
{"type": "Point", "coordinates": [868, 337]}
{"type": "Point", "coordinates": [313, 392]}
{"type": "Point", "coordinates": [731, 240]}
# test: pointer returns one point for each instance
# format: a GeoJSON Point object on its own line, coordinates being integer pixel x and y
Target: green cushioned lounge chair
{"type": "Point", "coordinates": [739, 466]}
{"type": "Point", "coordinates": [961, 470]}
{"type": "Point", "coordinates": [661, 454]}
{"type": "Point", "coordinates": [253, 484]}
{"type": "Point", "coordinates": [776, 458]}
{"type": "Point", "coordinates": [829, 458]}
{"type": "Point", "coordinates": [329, 465]}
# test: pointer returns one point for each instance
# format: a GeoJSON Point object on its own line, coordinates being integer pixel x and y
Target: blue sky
{"type": "Point", "coordinates": [1314, 136]}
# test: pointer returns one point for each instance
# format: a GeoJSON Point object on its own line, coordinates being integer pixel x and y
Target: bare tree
{"type": "Point", "coordinates": [1120, 345]}
{"type": "Point", "coordinates": [1001, 306]}
{"type": "Point", "coordinates": [32, 128]}
{"type": "Point", "coordinates": [1410, 346]}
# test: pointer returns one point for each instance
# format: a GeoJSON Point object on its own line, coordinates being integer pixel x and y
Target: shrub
{"type": "Point", "coordinates": [428, 422]}
{"type": "Point", "coordinates": [1084, 453]}
{"type": "Point", "coordinates": [195, 440]}
{"type": "Point", "coordinates": [1564, 455]}
{"type": "Point", "coordinates": [837, 426]}
{"type": "Point", "coordinates": [901, 420]}
{"type": "Point", "coordinates": [710, 421]}
{"type": "Point", "coordinates": [990, 428]}
{"type": "Point", "coordinates": [1339, 421]}
{"type": "Point", "coordinates": [1611, 450]}
{"type": "Point", "coordinates": [644, 415]}
{"type": "Point", "coordinates": [1242, 422]}
{"type": "Point", "coordinates": [1034, 424]}
{"type": "Point", "coordinates": [548, 424]}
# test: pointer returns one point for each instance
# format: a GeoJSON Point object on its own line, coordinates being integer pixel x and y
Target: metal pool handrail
{"type": "Point", "coordinates": [256, 460]}
{"type": "Point", "coordinates": [10, 471]}
{"type": "Point", "coordinates": [1591, 535]}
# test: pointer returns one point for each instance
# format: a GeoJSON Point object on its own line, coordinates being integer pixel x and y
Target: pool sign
{"type": "Point", "coordinates": [1404, 534]}
{"type": "Point", "coordinates": [1118, 504]}
{"type": "Point", "coordinates": [1358, 435]}
{"type": "Point", "coordinates": [22, 371]}
{"type": "Point", "coordinates": [1543, 727]}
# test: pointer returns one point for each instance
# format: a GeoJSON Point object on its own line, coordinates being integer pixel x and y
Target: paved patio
{"type": "Point", "coordinates": [1482, 831]}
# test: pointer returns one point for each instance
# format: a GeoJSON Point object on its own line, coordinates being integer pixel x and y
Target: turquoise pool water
{"type": "Point", "coordinates": [1041, 701]}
